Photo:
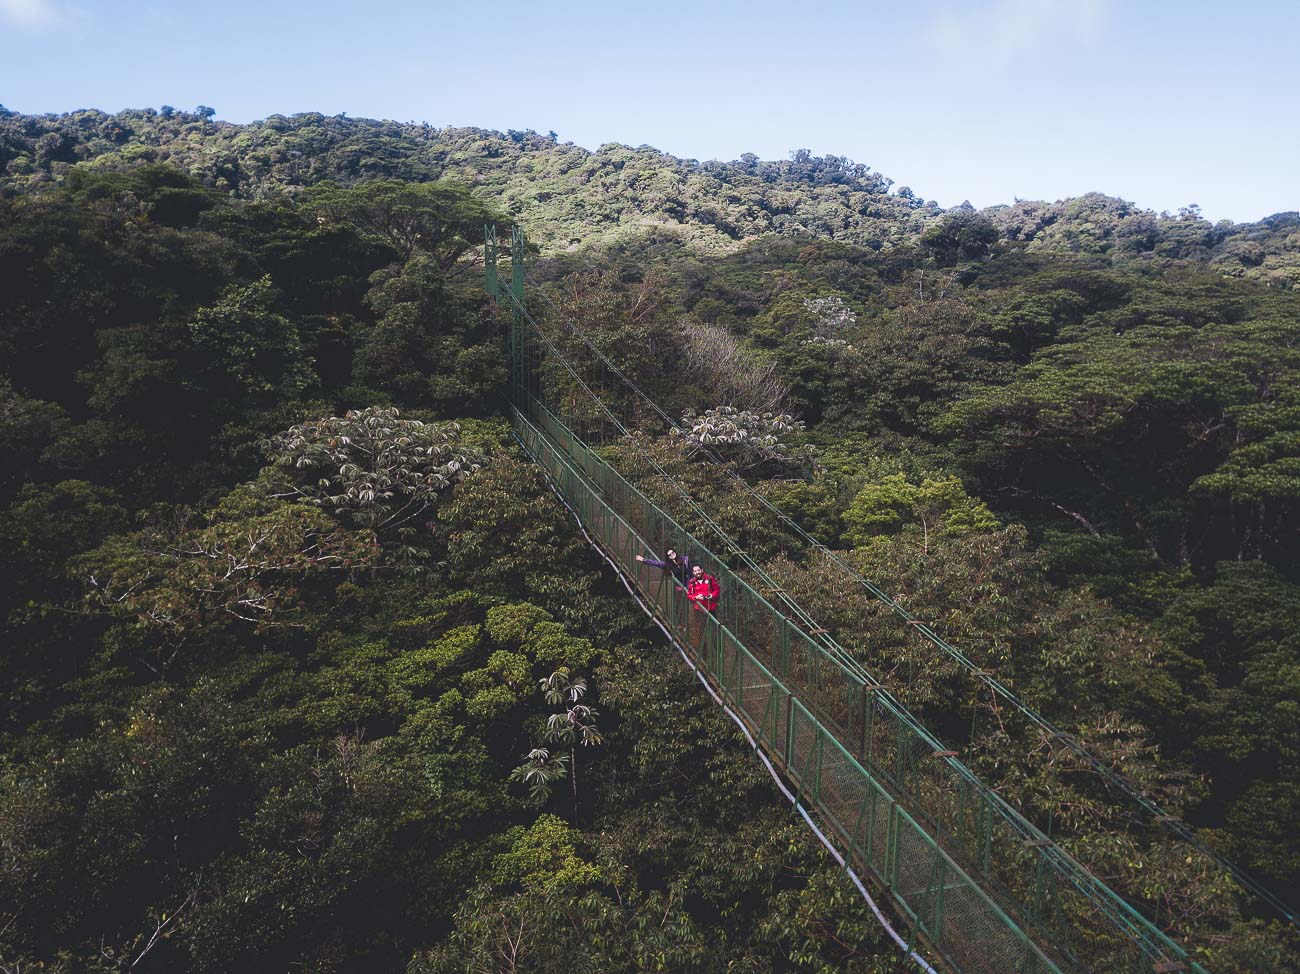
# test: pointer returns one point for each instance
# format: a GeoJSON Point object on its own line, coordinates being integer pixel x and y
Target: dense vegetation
{"type": "Point", "coordinates": [570, 197]}
{"type": "Point", "coordinates": [272, 664]}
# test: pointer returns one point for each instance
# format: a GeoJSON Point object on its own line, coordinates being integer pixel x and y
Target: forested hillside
{"type": "Point", "coordinates": [571, 197]}
{"type": "Point", "coordinates": [280, 595]}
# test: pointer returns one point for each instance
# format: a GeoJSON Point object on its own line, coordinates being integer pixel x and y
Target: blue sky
{"type": "Point", "coordinates": [1162, 103]}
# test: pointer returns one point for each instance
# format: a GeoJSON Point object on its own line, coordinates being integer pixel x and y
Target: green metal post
{"type": "Point", "coordinates": [490, 261]}
{"type": "Point", "coordinates": [850, 857]}
{"type": "Point", "coordinates": [900, 755]}
{"type": "Point", "coordinates": [936, 930]}
{"type": "Point", "coordinates": [493, 282]}
{"type": "Point", "coordinates": [517, 289]}
{"type": "Point", "coordinates": [769, 713]}
{"type": "Point", "coordinates": [1036, 904]}
{"type": "Point", "coordinates": [986, 845]}
{"type": "Point", "coordinates": [869, 855]}
{"type": "Point", "coordinates": [891, 847]}
{"type": "Point", "coordinates": [821, 746]}
{"type": "Point", "coordinates": [789, 732]}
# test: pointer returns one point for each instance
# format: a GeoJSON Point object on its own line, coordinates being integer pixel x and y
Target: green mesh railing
{"type": "Point", "coordinates": [984, 887]}
{"type": "Point", "coordinates": [957, 918]}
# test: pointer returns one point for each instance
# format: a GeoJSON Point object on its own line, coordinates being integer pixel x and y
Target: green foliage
{"type": "Point", "coordinates": [540, 772]}
{"type": "Point", "coordinates": [50, 523]}
{"type": "Point", "coordinates": [884, 506]}
{"type": "Point", "coordinates": [814, 506]}
{"type": "Point", "coordinates": [370, 467]}
{"type": "Point", "coordinates": [962, 233]}
{"type": "Point", "coordinates": [247, 561]}
{"type": "Point", "coordinates": [749, 439]}
{"type": "Point", "coordinates": [258, 349]}
{"type": "Point", "coordinates": [543, 856]}
{"type": "Point", "coordinates": [532, 630]}
{"type": "Point", "coordinates": [575, 725]}
{"type": "Point", "coordinates": [428, 345]}
{"type": "Point", "coordinates": [421, 669]}
{"type": "Point", "coordinates": [1241, 626]}
{"type": "Point", "coordinates": [1138, 427]}
{"type": "Point", "coordinates": [512, 624]}
{"type": "Point", "coordinates": [506, 534]}
{"type": "Point", "coordinates": [235, 730]}
{"type": "Point", "coordinates": [442, 220]}
{"type": "Point", "coordinates": [720, 875]}
{"type": "Point", "coordinates": [26, 427]}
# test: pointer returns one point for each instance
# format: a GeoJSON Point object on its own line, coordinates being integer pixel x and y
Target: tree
{"type": "Point", "coordinates": [442, 219]}
{"type": "Point", "coordinates": [429, 344]}
{"type": "Point", "coordinates": [574, 725]}
{"type": "Point", "coordinates": [26, 428]}
{"type": "Point", "coordinates": [598, 317]}
{"type": "Point", "coordinates": [258, 348]}
{"type": "Point", "coordinates": [507, 533]}
{"type": "Point", "coordinates": [371, 467]}
{"type": "Point", "coordinates": [246, 561]}
{"type": "Point", "coordinates": [539, 772]}
{"type": "Point", "coordinates": [729, 372]}
{"type": "Point", "coordinates": [963, 233]}
{"type": "Point", "coordinates": [1155, 429]}
{"type": "Point", "coordinates": [749, 438]}
{"type": "Point", "coordinates": [832, 318]}
{"type": "Point", "coordinates": [935, 504]}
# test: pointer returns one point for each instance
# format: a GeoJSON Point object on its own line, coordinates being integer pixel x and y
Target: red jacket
{"type": "Point", "coordinates": [703, 591]}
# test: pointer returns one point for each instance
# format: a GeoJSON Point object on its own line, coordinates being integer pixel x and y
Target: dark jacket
{"type": "Point", "coordinates": [680, 570]}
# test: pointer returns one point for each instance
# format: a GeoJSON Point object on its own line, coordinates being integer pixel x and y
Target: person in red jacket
{"type": "Point", "coordinates": [703, 589]}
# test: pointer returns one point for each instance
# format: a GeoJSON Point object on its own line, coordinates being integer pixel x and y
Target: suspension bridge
{"type": "Point", "coordinates": [985, 889]}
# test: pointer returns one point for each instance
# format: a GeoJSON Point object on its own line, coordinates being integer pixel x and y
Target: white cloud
{"type": "Point", "coordinates": [1006, 28]}
{"type": "Point", "coordinates": [31, 14]}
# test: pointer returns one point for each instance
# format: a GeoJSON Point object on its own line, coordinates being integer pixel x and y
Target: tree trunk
{"type": "Point", "coordinates": [573, 777]}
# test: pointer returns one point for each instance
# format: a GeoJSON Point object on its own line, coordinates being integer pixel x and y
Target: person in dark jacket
{"type": "Point", "coordinates": [703, 590]}
{"type": "Point", "coordinates": [679, 566]}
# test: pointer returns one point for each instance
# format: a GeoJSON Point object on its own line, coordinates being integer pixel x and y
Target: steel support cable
{"type": "Point", "coordinates": [1079, 877]}
{"type": "Point", "coordinates": [1111, 777]}
{"type": "Point", "coordinates": [729, 543]}
{"type": "Point", "coordinates": [903, 945]}
{"type": "Point", "coordinates": [818, 633]}
{"type": "Point", "coordinates": [1130, 924]}
{"type": "Point", "coordinates": [839, 655]}
{"type": "Point", "coordinates": [1098, 893]}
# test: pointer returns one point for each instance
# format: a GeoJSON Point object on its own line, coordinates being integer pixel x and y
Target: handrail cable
{"type": "Point", "coordinates": [729, 543]}
{"type": "Point", "coordinates": [908, 949]}
{"type": "Point", "coordinates": [1082, 879]}
{"type": "Point", "coordinates": [1111, 776]}
{"type": "Point", "coordinates": [1027, 957]}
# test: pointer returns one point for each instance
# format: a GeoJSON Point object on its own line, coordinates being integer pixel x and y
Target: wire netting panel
{"type": "Point", "coordinates": [801, 753]}
{"type": "Point", "coordinates": [776, 728]}
{"type": "Point", "coordinates": [843, 789]}
{"type": "Point", "coordinates": [753, 691]}
{"type": "Point", "coordinates": [968, 925]}
{"type": "Point", "coordinates": [913, 867]}
{"type": "Point", "coordinates": [855, 753]}
{"type": "Point", "coordinates": [871, 832]}
{"type": "Point", "coordinates": [1082, 927]}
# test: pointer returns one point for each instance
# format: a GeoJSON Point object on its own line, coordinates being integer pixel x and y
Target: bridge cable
{"type": "Point", "coordinates": [908, 950]}
{"type": "Point", "coordinates": [1110, 775]}
{"type": "Point", "coordinates": [1082, 879]}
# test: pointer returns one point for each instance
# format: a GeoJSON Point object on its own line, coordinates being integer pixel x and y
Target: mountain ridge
{"type": "Point", "coordinates": [572, 197]}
